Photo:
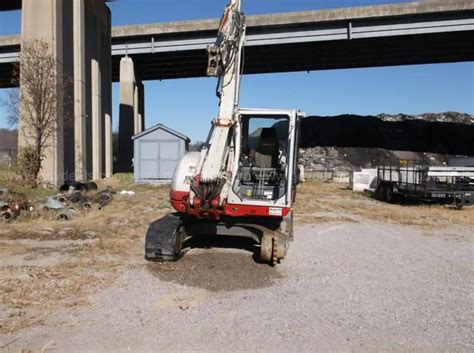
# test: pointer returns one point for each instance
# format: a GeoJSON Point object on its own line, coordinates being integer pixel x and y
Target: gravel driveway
{"type": "Point", "coordinates": [353, 286]}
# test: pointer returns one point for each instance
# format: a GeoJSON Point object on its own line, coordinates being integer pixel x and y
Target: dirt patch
{"type": "Point", "coordinates": [183, 301]}
{"type": "Point", "coordinates": [320, 219]}
{"type": "Point", "coordinates": [217, 271]}
{"type": "Point", "coordinates": [29, 293]}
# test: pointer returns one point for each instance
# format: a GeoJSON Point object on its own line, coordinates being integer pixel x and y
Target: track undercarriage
{"type": "Point", "coordinates": [165, 237]}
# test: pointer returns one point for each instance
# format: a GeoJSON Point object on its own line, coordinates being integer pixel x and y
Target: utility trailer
{"type": "Point", "coordinates": [453, 185]}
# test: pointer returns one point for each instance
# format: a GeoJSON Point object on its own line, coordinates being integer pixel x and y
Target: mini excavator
{"type": "Point", "coordinates": [243, 182]}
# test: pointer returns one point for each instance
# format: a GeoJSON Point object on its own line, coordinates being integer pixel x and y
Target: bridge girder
{"type": "Point", "coordinates": [374, 36]}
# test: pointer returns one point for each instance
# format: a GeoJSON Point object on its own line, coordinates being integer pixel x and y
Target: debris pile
{"type": "Point", "coordinates": [322, 158]}
{"type": "Point", "coordinates": [66, 206]}
{"type": "Point", "coordinates": [78, 186]}
{"type": "Point", "coordinates": [447, 117]}
{"type": "Point", "coordinates": [444, 133]}
{"type": "Point", "coordinates": [355, 158]}
{"type": "Point", "coordinates": [12, 204]}
{"type": "Point", "coordinates": [71, 200]}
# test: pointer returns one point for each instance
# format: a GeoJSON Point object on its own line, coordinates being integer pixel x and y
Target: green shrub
{"type": "Point", "coordinates": [29, 165]}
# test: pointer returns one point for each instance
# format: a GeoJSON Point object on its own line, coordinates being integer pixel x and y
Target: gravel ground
{"type": "Point", "coordinates": [355, 286]}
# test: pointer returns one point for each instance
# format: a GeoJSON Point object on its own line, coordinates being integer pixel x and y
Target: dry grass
{"type": "Point", "coordinates": [101, 243]}
{"type": "Point", "coordinates": [10, 180]}
{"type": "Point", "coordinates": [314, 197]}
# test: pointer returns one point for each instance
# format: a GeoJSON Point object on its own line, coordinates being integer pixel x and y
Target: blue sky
{"type": "Point", "coordinates": [188, 105]}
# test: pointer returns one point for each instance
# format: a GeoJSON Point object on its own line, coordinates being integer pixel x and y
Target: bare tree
{"type": "Point", "coordinates": [37, 103]}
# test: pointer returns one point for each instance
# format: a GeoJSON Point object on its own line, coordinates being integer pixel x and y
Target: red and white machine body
{"type": "Point", "coordinates": [231, 202]}
{"type": "Point", "coordinates": [248, 165]}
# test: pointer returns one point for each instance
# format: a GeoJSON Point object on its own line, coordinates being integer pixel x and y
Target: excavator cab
{"type": "Point", "coordinates": [267, 160]}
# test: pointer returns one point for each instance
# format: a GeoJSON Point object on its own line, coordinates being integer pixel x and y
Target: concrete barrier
{"type": "Point", "coordinates": [336, 176]}
{"type": "Point", "coordinates": [364, 180]}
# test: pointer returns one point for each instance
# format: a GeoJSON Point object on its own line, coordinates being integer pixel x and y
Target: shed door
{"type": "Point", "coordinates": [149, 152]}
{"type": "Point", "coordinates": [169, 152]}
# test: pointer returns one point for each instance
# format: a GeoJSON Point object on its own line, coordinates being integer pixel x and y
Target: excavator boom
{"type": "Point", "coordinates": [225, 58]}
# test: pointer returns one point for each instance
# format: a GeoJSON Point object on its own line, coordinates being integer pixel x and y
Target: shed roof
{"type": "Point", "coordinates": [162, 127]}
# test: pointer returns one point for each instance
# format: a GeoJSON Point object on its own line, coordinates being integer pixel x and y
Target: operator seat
{"type": "Point", "coordinates": [266, 155]}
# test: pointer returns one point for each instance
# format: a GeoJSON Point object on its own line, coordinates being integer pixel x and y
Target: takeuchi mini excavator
{"type": "Point", "coordinates": [243, 182]}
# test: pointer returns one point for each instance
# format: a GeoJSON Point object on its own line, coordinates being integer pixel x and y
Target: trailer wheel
{"type": "Point", "coordinates": [388, 193]}
{"type": "Point", "coordinates": [379, 192]}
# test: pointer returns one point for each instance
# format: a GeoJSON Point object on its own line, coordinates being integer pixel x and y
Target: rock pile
{"type": "Point", "coordinates": [448, 117]}
{"type": "Point", "coordinates": [322, 158]}
{"type": "Point", "coordinates": [351, 142]}
{"type": "Point", "coordinates": [445, 133]}
{"type": "Point", "coordinates": [348, 159]}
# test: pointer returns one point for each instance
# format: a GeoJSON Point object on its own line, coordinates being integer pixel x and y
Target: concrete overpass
{"type": "Point", "coordinates": [397, 34]}
{"type": "Point", "coordinates": [8, 5]}
{"type": "Point", "coordinates": [400, 34]}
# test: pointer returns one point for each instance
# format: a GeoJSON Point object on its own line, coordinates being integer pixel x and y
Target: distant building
{"type": "Point", "coordinates": [7, 157]}
{"type": "Point", "coordinates": [157, 151]}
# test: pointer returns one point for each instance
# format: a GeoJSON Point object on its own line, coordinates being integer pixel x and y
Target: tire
{"type": "Point", "coordinates": [379, 192]}
{"type": "Point", "coordinates": [388, 193]}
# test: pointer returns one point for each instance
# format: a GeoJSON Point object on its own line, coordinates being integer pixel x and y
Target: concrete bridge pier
{"type": "Point", "coordinates": [132, 114]}
{"type": "Point", "coordinates": [80, 113]}
{"type": "Point", "coordinates": [139, 109]}
{"type": "Point", "coordinates": [101, 81]}
{"type": "Point", "coordinates": [47, 20]}
{"type": "Point", "coordinates": [79, 35]}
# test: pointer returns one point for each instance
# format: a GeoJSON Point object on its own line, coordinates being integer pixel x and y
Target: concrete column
{"type": "Point", "coordinates": [97, 120]}
{"type": "Point", "coordinates": [80, 92]}
{"type": "Point", "coordinates": [138, 107]}
{"type": "Point", "coordinates": [108, 146]}
{"type": "Point", "coordinates": [136, 117]}
{"type": "Point", "coordinates": [51, 21]}
{"type": "Point", "coordinates": [107, 96]}
{"type": "Point", "coordinates": [98, 85]}
{"type": "Point", "coordinates": [140, 118]}
{"type": "Point", "coordinates": [78, 32]}
{"type": "Point", "coordinates": [127, 125]}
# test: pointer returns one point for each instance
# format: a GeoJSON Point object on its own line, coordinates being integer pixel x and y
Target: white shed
{"type": "Point", "coordinates": [157, 151]}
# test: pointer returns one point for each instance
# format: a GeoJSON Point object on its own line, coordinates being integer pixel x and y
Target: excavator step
{"type": "Point", "coordinates": [163, 241]}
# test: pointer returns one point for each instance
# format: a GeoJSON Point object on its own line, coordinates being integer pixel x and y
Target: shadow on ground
{"type": "Point", "coordinates": [214, 264]}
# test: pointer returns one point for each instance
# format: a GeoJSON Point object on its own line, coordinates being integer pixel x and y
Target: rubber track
{"type": "Point", "coordinates": [161, 241]}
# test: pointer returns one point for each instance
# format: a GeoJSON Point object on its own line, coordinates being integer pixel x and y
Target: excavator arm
{"type": "Point", "coordinates": [225, 62]}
